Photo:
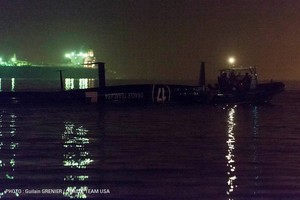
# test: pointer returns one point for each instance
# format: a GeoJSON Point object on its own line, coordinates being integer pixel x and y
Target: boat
{"type": "Point", "coordinates": [240, 85]}
{"type": "Point", "coordinates": [227, 90]}
{"type": "Point", "coordinates": [235, 86]}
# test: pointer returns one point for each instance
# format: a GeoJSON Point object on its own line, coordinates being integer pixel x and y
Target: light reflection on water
{"type": "Point", "coordinates": [83, 83]}
{"type": "Point", "coordinates": [11, 82]}
{"type": "Point", "coordinates": [17, 84]}
{"type": "Point", "coordinates": [230, 156]}
{"type": "Point", "coordinates": [76, 160]}
{"type": "Point", "coordinates": [76, 156]}
{"type": "Point", "coordinates": [8, 147]}
{"type": "Point", "coordinates": [255, 160]}
{"type": "Point", "coordinates": [152, 152]}
{"type": "Point", "coordinates": [236, 134]}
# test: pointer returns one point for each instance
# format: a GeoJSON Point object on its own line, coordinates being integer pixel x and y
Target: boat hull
{"type": "Point", "coordinates": [263, 93]}
{"type": "Point", "coordinates": [146, 93]}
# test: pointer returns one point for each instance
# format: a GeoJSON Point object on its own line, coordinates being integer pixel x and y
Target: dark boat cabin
{"type": "Point", "coordinates": [237, 79]}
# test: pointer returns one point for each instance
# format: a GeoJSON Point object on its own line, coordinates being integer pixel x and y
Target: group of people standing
{"type": "Point", "coordinates": [233, 82]}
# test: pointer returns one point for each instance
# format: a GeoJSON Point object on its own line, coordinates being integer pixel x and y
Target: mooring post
{"type": "Point", "coordinates": [101, 78]}
{"type": "Point", "coordinates": [202, 74]}
{"type": "Point", "coordinates": [62, 88]}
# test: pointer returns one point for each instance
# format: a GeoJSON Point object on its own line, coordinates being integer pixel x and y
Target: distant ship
{"type": "Point", "coordinates": [78, 65]}
{"type": "Point", "coordinates": [239, 86]}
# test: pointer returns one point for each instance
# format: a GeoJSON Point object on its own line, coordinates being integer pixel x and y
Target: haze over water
{"type": "Point", "coordinates": [151, 152]}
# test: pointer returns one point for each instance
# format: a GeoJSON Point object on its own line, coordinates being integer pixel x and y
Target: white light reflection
{"type": "Point", "coordinates": [12, 84]}
{"type": "Point", "coordinates": [8, 145]}
{"type": "Point", "coordinates": [85, 83]}
{"type": "Point", "coordinates": [230, 156]}
{"type": "Point", "coordinates": [76, 157]}
{"type": "Point", "coordinates": [69, 83]}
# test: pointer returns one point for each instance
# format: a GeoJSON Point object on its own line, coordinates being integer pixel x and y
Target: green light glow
{"type": "Point", "coordinates": [9, 177]}
{"type": "Point", "coordinates": [75, 178]}
{"type": "Point", "coordinates": [13, 61]}
{"type": "Point", "coordinates": [74, 192]}
{"type": "Point", "coordinates": [12, 162]}
{"type": "Point", "coordinates": [81, 58]}
{"type": "Point", "coordinates": [76, 58]}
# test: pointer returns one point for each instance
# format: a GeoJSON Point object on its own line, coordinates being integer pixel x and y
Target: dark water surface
{"type": "Point", "coordinates": [151, 151]}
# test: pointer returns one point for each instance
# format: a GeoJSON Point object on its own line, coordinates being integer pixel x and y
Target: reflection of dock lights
{"type": "Point", "coordinates": [231, 60]}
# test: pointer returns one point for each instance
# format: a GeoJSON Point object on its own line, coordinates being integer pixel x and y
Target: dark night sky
{"type": "Point", "coordinates": [164, 39]}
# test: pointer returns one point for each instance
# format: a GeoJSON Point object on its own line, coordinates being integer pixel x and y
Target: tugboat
{"type": "Point", "coordinates": [240, 85]}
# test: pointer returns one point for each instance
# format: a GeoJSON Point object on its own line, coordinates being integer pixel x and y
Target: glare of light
{"type": "Point", "coordinates": [9, 176]}
{"type": "Point", "coordinates": [83, 83]}
{"type": "Point", "coordinates": [231, 60]}
{"type": "Point", "coordinates": [230, 156]}
{"type": "Point", "coordinates": [76, 157]}
{"type": "Point", "coordinates": [76, 192]}
{"type": "Point", "coordinates": [13, 84]}
{"type": "Point", "coordinates": [69, 83]}
{"type": "Point", "coordinates": [76, 178]}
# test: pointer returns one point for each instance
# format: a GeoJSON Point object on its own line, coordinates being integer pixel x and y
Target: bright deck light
{"type": "Point", "coordinates": [231, 60]}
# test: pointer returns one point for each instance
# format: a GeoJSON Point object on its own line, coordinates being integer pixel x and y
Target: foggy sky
{"type": "Point", "coordinates": [157, 39]}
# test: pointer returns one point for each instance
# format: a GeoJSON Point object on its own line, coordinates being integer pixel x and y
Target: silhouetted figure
{"type": "Point", "coordinates": [247, 81]}
{"type": "Point", "coordinates": [223, 82]}
{"type": "Point", "coordinates": [233, 81]}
